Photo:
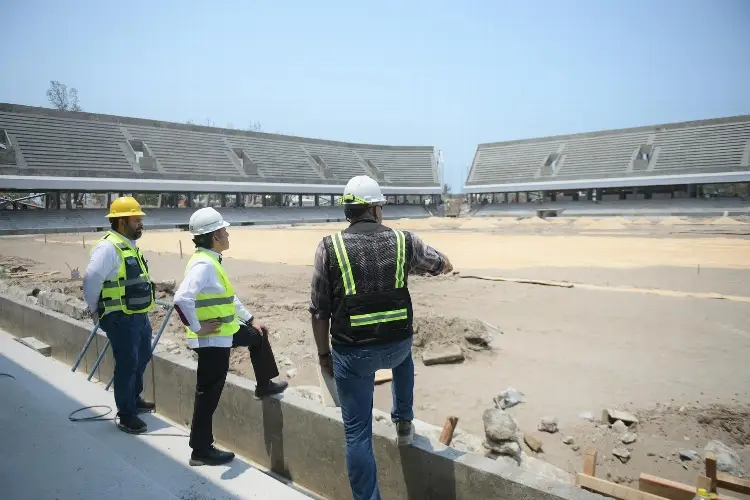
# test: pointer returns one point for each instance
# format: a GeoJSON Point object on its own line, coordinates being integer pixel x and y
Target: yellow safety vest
{"type": "Point", "coordinates": [131, 291]}
{"type": "Point", "coordinates": [215, 305]}
{"type": "Point", "coordinates": [369, 314]}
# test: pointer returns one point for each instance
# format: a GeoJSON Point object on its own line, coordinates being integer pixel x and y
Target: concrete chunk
{"type": "Point", "coordinates": [36, 344]}
{"type": "Point", "coordinates": [499, 425]}
{"type": "Point", "coordinates": [533, 443]}
{"type": "Point", "coordinates": [610, 416]}
{"type": "Point", "coordinates": [449, 355]}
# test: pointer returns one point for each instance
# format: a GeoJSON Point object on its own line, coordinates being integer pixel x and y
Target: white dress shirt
{"type": "Point", "coordinates": [103, 265]}
{"type": "Point", "coordinates": [202, 277]}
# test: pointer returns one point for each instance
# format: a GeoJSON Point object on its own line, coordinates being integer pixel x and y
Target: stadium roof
{"type": "Point", "coordinates": [65, 150]}
{"type": "Point", "coordinates": [695, 152]}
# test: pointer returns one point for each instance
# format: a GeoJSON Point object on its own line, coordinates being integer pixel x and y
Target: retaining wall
{"type": "Point", "coordinates": [293, 436]}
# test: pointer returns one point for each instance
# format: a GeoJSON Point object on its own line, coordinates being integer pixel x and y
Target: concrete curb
{"type": "Point", "coordinates": [295, 437]}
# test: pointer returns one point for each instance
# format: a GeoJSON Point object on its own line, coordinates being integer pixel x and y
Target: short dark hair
{"type": "Point", "coordinates": [113, 223]}
{"type": "Point", "coordinates": [356, 211]}
{"type": "Point", "coordinates": [204, 240]}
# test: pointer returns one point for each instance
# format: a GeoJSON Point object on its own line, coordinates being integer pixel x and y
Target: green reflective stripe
{"type": "Point", "coordinates": [214, 302]}
{"type": "Point", "coordinates": [400, 258]}
{"type": "Point", "coordinates": [214, 307]}
{"type": "Point", "coordinates": [380, 317]}
{"type": "Point", "coordinates": [134, 281]}
{"type": "Point", "coordinates": [346, 269]}
{"type": "Point", "coordinates": [114, 293]}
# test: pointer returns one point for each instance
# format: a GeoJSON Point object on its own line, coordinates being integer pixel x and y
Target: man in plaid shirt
{"type": "Point", "coordinates": [361, 300]}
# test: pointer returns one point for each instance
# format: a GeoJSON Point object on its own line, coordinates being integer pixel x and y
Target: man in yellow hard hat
{"type": "Point", "coordinates": [119, 294]}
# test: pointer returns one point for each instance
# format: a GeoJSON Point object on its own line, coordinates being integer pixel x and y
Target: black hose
{"type": "Point", "coordinates": [93, 418]}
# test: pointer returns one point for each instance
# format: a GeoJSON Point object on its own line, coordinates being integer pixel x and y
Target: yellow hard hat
{"type": "Point", "coordinates": [125, 206]}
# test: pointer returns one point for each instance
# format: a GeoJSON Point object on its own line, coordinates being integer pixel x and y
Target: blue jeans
{"type": "Point", "coordinates": [354, 370]}
{"type": "Point", "coordinates": [130, 337]}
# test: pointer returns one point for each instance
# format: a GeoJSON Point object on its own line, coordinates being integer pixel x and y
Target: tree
{"type": "Point", "coordinates": [254, 127]}
{"type": "Point", "coordinates": [446, 189]}
{"type": "Point", "coordinates": [63, 98]}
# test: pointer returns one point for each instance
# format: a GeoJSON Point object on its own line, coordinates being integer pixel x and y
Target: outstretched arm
{"type": "Point", "coordinates": [427, 260]}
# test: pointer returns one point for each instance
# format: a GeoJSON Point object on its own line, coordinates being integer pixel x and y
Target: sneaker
{"type": "Point", "coordinates": [211, 456]}
{"type": "Point", "coordinates": [404, 433]}
{"type": "Point", "coordinates": [270, 389]}
{"type": "Point", "coordinates": [131, 424]}
{"type": "Point", "coordinates": [144, 406]}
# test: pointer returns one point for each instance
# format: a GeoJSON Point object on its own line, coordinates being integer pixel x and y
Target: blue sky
{"type": "Point", "coordinates": [448, 74]}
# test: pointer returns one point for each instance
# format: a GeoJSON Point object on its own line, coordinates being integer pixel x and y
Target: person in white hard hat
{"type": "Point", "coordinates": [361, 300]}
{"type": "Point", "coordinates": [216, 321]}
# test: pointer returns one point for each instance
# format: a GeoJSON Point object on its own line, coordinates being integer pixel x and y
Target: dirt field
{"type": "Point", "coordinates": [659, 320]}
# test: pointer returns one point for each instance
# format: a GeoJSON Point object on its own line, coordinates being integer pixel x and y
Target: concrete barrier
{"type": "Point", "coordinates": [293, 436]}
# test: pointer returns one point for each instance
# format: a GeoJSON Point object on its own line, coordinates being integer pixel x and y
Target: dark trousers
{"type": "Point", "coordinates": [213, 366]}
{"type": "Point", "coordinates": [130, 337]}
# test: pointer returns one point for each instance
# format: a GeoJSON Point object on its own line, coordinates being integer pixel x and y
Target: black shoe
{"type": "Point", "coordinates": [404, 433]}
{"type": "Point", "coordinates": [270, 389]}
{"type": "Point", "coordinates": [144, 406]}
{"type": "Point", "coordinates": [131, 424]}
{"type": "Point", "coordinates": [211, 456]}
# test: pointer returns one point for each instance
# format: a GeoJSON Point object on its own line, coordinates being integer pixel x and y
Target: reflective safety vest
{"type": "Point", "coordinates": [214, 305]}
{"type": "Point", "coordinates": [371, 301]}
{"type": "Point", "coordinates": [131, 291]}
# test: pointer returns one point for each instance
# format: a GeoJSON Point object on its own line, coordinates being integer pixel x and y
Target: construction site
{"type": "Point", "coordinates": [592, 338]}
{"type": "Point", "coordinates": [551, 321]}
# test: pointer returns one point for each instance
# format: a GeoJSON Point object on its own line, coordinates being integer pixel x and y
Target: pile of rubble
{"type": "Point", "coordinates": [55, 301]}
{"type": "Point", "coordinates": [442, 340]}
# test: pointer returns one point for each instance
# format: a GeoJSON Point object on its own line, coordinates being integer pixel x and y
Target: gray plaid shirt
{"type": "Point", "coordinates": [425, 260]}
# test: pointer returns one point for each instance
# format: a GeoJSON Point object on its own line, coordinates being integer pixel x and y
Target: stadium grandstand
{"type": "Point", "coordinates": [55, 166]}
{"type": "Point", "coordinates": [680, 168]}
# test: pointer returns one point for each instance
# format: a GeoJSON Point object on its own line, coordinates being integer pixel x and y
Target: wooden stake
{"type": "Point", "coordinates": [83, 241]}
{"type": "Point", "coordinates": [45, 238]}
{"type": "Point", "coordinates": [448, 429]}
{"type": "Point", "coordinates": [180, 249]}
{"type": "Point", "coordinates": [589, 462]}
{"type": "Point", "coordinates": [711, 471]}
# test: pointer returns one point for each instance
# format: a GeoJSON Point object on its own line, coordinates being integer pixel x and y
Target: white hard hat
{"type": "Point", "coordinates": [362, 190]}
{"type": "Point", "coordinates": [206, 220]}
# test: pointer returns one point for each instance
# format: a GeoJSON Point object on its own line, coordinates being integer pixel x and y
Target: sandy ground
{"type": "Point", "coordinates": [660, 320]}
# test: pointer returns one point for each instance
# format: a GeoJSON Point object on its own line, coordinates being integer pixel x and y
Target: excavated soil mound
{"type": "Point", "coordinates": [504, 221]}
{"type": "Point", "coordinates": [478, 223]}
{"type": "Point", "coordinates": [735, 421]}
{"type": "Point", "coordinates": [440, 331]}
{"type": "Point", "coordinates": [726, 221]}
{"type": "Point", "coordinates": [640, 221]}
{"type": "Point", "coordinates": [533, 221]}
{"type": "Point", "coordinates": [672, 221]}
{"type": "Point", "coordinates": [583, 222]}
{"type": "Point", "coordinates": [608, 224]}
